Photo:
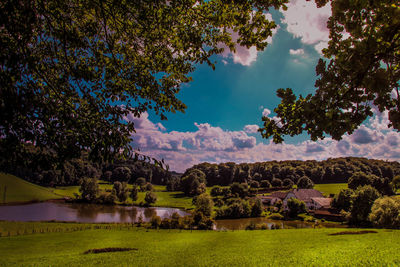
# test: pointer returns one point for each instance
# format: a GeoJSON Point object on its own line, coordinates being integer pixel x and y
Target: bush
{"type": "Point", "coordinates": [194, 183]}
{"type": "Point", "coordinates": [342, 201]}
{"type": "Point", "coordinates": [276, 216]}
{"type": "Point", "coordinates": [155, 222]}
{"type": "Point", "coordinates": [140, 181]}
{"type": "Point", "coordinates": [107, 198]}
{"type": "Point", "coordinates": [121, 190]}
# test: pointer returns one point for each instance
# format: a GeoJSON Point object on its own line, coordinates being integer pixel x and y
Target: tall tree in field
{"type": "Point", "coordinates": [72, 71]}
{"type": "Point", "coordinates": [361, 71]}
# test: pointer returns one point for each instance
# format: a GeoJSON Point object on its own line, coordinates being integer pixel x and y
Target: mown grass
{"type": "Point", "coordinates": [297, 247]}
{"type": "Point", "coordinates": [328, 189]}
{"type": "Point", "coordinates": [18, 190]}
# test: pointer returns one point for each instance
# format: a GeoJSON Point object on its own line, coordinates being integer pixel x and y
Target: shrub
{"type": "Point", "coordinates": [121, 190]}
{"type": "Point", "coordinates": [287, 183]}
{"type": "Point", "coordinates": [155, 222]}
{"type": "Point", "coordinates": [257, 208]}
{"type": "Point", "coordinates": [362, 202]}
{"type": "Point", "coordinates": [342, 201]}
{"type": "Point", "coordinates": [204, 204]}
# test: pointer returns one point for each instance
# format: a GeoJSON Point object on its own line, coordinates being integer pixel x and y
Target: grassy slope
{"type": "Point", "coordinates": [297, 247]}
{"type": "Point", "coordinates": [19, 190]}
{"type": "Point", "coordinates": [327, 189]}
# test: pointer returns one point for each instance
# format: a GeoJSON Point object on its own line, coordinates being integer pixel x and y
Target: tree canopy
{"type": "Point", "coordinates": [360, 72]}
{"type": "Point", "coordinates": [72, 71]}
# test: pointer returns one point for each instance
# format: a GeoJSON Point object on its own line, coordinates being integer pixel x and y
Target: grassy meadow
{"type": "Point", "coordinates": [297, 247]}
{"type": "Point", "coordinates": [18, 190]}
{"type": "Point", "coordinates": [328, 189]}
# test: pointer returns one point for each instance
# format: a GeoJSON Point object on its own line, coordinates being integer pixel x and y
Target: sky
{"type": "Point", "coordinates": [225, 106]}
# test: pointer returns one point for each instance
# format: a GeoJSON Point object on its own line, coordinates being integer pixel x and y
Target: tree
{"type": "Point", "coordinates": [360, 72]}
{"type": "Point", "coordinates": [72, 72]}
{"type": "Point", "coordinates": [343, 200]}
{"type": "Point", "coordinates": [257, 208]}
{"type": "Point", "coordinates": [241, 190]}
{"type": "Point", "coordinates": [122, 174]}
{"type": "Point", "coordinates": [362, 201]}
{"type": "Point", "coordinates": [191, 183]}
{"type": "Point", "coordinates": [265, 184]}
{"type": "Point", "coordinates": [385, 213]}
{"type": "Point", "coordinates": [204, 204]}
{"type": "Point", "coordinates": [254, 184]}
{"type": "Point", "coordinates": [140, 181]}
{"type": "Point", "coordinates": [287, 183]}
{"type": "Point", "coordinates": [275, 182]}
{"type": "Point", "coordinates": [396, 182]}
{"type": "Point", "coordinates": [134, 193]}
{"type": "Point", "coordinates": [89, 189]}
{"type": "Point", "coordinates": [121, 190]}
{"type": "Point", "coordinates": [360, 179]}
{"type": "Point", "coordinates": [295, 207]}
{"type": "Point", "coordinates": [305, 182]}
{"type": "Point", "coordinates": [150, 198]}
{"type": "Point", "coordinates": [216, 191]}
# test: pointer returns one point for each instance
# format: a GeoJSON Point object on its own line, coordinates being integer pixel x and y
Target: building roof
{"type": "Point", "coordinates": [279, 194]}
{"type": "Point", "coordinates": [306, 194]}
{"type": "Point", "coordinates": [322, 201]}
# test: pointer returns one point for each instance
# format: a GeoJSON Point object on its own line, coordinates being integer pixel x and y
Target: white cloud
{"type": "Point", "coordinates": [243, 55]}
{"type": "Point", "coordinates": [307, 22]}
{"type": "Point", "coordinates": [251, 128]}
{"type": "Point", "coordinates": [266, 112]}
{"type": "Point", "coordinates": [208, 143]}
{"type": "Point", "coordinates": [296, 51]}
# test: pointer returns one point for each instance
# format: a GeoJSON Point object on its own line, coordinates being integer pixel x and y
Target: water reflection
{"type": "Point", "coordinates": [88, 213]}
{"type": "Point", "coordinates": [240, 224]}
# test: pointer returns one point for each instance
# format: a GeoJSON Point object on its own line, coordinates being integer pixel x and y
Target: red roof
{"type": "Point", "coordinates": [306, 194]}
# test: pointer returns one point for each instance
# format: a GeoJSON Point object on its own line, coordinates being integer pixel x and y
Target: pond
{"type": "Point", "coordinates": [85, 213]}
{"type": "Point", "coordinates": [92, 213]}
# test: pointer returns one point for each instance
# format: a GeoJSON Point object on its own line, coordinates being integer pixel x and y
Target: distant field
{"type": "Point", "coordinates": [291, 247]}
{"type": "Point", "coordinates": [328, 189]}
{"type": "Point", "coordinates": [18, 190]}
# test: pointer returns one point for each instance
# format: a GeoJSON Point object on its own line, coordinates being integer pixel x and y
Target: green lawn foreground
{"type": "Point", "coordinates": [286, 247]}
{"type": "Point", "coordinates": [18, 190]}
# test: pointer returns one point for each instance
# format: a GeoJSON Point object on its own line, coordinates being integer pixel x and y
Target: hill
{"type": "Point", "coordinates": [14, 189]}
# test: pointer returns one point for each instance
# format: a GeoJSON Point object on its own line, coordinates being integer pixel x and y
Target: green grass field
{"type": "Point", "coordinates": [297, 247]}
{"type": "Point", "coordinates": [328, 189]}
{"type": "Point", "coordinates": [18, 190]}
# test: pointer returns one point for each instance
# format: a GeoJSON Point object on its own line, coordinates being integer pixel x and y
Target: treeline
{"type": "Point", "coordinates": [337, 170]}
{"type": "Point", "coordinates": [40, 169]}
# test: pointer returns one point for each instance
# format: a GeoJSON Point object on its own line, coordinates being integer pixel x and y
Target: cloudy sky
{"type": "Point", "coordinates": [225, 106]}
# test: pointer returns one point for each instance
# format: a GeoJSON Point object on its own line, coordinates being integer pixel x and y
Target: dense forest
{"type": "Point", "coordinates": [38, 168]}
{"type": "Point", "coordinates": [337, 170]}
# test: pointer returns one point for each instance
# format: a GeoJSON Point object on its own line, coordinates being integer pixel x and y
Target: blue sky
{"type": "Point", "coordinates": [225, 106]}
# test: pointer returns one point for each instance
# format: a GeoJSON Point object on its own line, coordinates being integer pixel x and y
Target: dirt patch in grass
{"type": "Point", "coordinates": [355, 232]}
{"type": "Point", "coordinates": [104, 250]}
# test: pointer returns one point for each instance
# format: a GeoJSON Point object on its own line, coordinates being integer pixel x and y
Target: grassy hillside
{"type": "Point", "coordinates": [297, 247]}
{"type": "Point", "coordinates": [328, 189]}
{"type": "Point", "coordinates": [18, 190]}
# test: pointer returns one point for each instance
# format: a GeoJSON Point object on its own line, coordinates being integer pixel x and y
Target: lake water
{"type": "Point", "coordinates": [91, 213]}
{"type": "Point", "coordinates": [85, 213]}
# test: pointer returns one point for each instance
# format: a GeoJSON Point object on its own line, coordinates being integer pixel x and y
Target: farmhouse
{"type": "Point", "coordinates": [273, 198]}
{"type": "Point", "coordinates": [305, 195]}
